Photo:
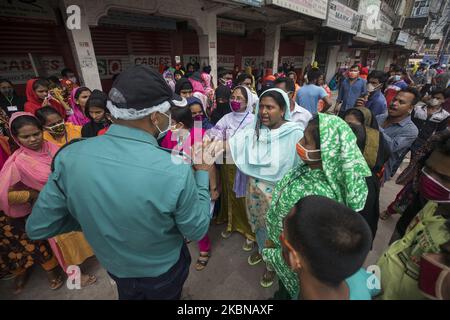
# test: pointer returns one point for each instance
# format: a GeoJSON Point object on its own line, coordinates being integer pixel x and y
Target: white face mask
{"type": "Point", "coordinates": [162, 133]}
{"type": "Point", "coordinates": [73, 79]}
{"type": "Point", "coordinates": [371, 88]}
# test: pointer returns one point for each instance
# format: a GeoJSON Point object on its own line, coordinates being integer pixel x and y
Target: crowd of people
{"type": "Point", "coordinates": [133, 175]}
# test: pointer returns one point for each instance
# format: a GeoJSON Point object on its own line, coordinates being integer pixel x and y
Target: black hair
{"type": "Point", "coordinates": [289, 83]}
{"type": "Point", "coordinates": [65, 71]}
{"type": "Point", "coordinates": [447, 93]}
{"type": "Point", "coordinates": [377, 74]}
{"type": "Point", "coordinates": [415, 92]}
{"type": "Point", "coordinates": [355, 66]}
{"type": "Point", "coordinates": [313, 126]}
{"type": "Point", "coordinates": [183, 84]}
{"type": "Point", "coordinates": [178, 72]}
{"type": "Point", "coordinates": [397, 68]}
{"type": "Point", "coordinates": [44, 112]}
{"type": "Point", "coordinates": [53, 79]}
{"type": "Point", "coordinates": [278, 99]}
{"type": "Point", "coordinates": [314, 75]}
{"type": "Point", "coordinates": [242, 77]}
{"type": "Point", "coordinates": [189, 65]}
{"type": "Point", "coordinates": [333, 238]}
{"type": "Point", "coordinates": [40, 82]}
{"type": "Point", "coordinates": [97, 99]}
{"type": "Point", "coordinates": [207, 69]}
{"type": "Point", "coordinates": [183, 115]}
{"type": "Point", "coordinates": [360, 134]}
{"type": "Point", "coordinates": [356, 113]}
{"type": "Point", "coordinates": [223, 73]}
{"type": "Point", "coordinates": [6, 80]}
{"type": "Point", "coordinates": [437, 91]}
{"type": "Point", "coordinates": [114, 77]}
{"type": "Point", "coordinates": [280, 69]}
{"type": "Point", "coordinates": [80, 91]}
{"type": "Point", "coordinates": [22, 121]}
{"type": "Point", "coordinates": [443, 143]}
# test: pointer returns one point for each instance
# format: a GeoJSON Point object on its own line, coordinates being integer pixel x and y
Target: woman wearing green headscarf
{"type": "Point", "coordinates": [265, 152]}
{"type": "Point", "coordinates": [334, 167]}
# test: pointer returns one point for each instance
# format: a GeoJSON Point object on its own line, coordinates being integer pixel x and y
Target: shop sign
{"type": "Point", "coordinates": [369, 11]}
{"type": "Point", "coordinates": [20, 69]}
{"type": "Point", "coordinates": [313, 8]}
{"type": "Point", "coordinates": [108, 66]}
{"type": "Point", "coordinates": [230, 26]}
{"type": "Point", "coordinates": [225, 61]}
{"type": "Point", "coordinates": [402, 39]}
{"type": "Point", "coordinates": [384, 33]}
{"type": "Point", "coordinates": [252, 61]}
{"type": "Point", "coordinates": [296, 61]}
{"type": "Point", "coordinates": [152, 61]}
{"type": "Point", "coordinates": [342, 18]}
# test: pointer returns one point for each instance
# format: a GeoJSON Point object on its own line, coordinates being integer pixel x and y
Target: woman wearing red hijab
{"type": "Point", "coordinates": [38, 97]}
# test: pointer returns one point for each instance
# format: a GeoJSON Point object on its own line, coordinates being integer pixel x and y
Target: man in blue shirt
{"type": "Point", "coordinates": [398, 129]}
{"type": "Point", "coordinates": [376, 101]}
{"type": "Point", "coordinates": [134, 202]}
{"type": "Point", "coordinates": [350, 90]}
{"type": "Point", "coordinates": [309, 95]}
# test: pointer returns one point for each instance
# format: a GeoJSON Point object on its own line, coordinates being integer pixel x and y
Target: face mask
{"type": "Point", "coordinates": [57, 129]}
{"type": "Point", "coordinates": [162, 133]}
{"type": "Point", "coordinates": [434, 102]}
{"type": "Point", "coordinates": [73, 79]}
{"type": "Point", "coordinates": [198, 117]}
{"type": "Point", "coordinates": [371, 88]}
{"type": "Point", "coordinates": [7, 92]}
{"type": "Point", "coordinates": [397, 78]}
{"type": "Point", "coordinates": [304, 153]}
{"type": "Point", "coordinates": [432, 189]}
{"type": "Point", "coordinates": [235, 105]}
{"type": "Point", "coordinates": [353, 74]}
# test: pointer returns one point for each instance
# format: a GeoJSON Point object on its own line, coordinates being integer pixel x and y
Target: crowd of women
{"type": "Point", "coordinates": [291, 187]}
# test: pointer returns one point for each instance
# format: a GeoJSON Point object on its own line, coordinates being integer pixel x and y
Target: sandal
{"type": "Point", "coordinates": [267, 279]}
{"type": "Point", "coordinates": [226, 234]}
{"type": "Point", "coordinates": [88, 280]}
{"type": "Point", "coordinates": [254, 259]}
{"type": "Point", "coordinates": [385, 215]}
{"type": "Point", "coordinates": [56, 279]}
{"type": "Point", "coordinates": [20, 281]}
{"type": "Point", "coordinates": [248, 245]}
{"type": "Point", "coordinates": [202, 261]}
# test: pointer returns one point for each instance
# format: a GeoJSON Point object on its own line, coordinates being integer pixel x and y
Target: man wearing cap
{"type": "Point", "coordinates": [134, 204]}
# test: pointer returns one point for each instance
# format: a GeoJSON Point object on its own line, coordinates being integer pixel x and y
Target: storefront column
{"type": "Point", "coordinates": [82, 49]}
{"type": "Point", "coordinates": [208, 44]}
{"type": "Point", "coordinates": [310, 51]}
{"type": "Point", "coordinates": [331, 64]}
{"type": "Point", "coordinates": [272, 47]}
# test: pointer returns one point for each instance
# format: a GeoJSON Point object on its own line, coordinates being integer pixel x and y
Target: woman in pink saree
{"type": "Point", "coordinates": [23, 176]}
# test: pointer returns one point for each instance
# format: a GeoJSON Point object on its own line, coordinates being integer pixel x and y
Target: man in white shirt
{"type": "Point", "coordinates": [298, 113]}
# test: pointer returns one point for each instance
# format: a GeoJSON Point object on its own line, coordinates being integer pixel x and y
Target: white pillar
{"type": "Point", "coordinates": [272, 47]}
{"type": "Point", "coordinates": [331, 64]}
{"type": "Point", "coordinates": [83, 49]}
{"type": "Point", "coordinates": [310, 51]}
{"type": "Point", "coordinates": [208, 44]}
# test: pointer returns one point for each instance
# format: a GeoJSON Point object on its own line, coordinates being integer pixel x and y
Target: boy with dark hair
{"type": "Point", "coordinates": [309, 95]}
{"type": "Point", "coordinates": [326, 244]}
{"type": "Point", "coordinates": [376, 101]}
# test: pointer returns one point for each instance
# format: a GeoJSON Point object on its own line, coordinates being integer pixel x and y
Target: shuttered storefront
{"type": "Point", "coordinates": [47, 44]}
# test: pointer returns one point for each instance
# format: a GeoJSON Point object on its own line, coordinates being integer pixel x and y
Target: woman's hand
{"type": "Point", "coordinates": [214, 194]}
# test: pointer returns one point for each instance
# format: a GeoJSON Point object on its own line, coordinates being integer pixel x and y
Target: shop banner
{"type": "Point", "coordinates": [342, 18]}
{"type": "Point", "coordinates": [296, 61]}
{"type": "Point", "coordinates": [230, 26]}
{"type": "Point", "coordinates": [313, 8]}
{"type": "Point", "coordinates": [369, 11]}
{"type": "Point", "coordinates": [223, 61]}
{"type": "Point", "coordinates": [402, 39]}
{"type": "Point", "coordinates": [252, 61]}
{"type": "Point", "coordinates": [384, 32]}
{"type": "Point", "coordinates": [20, 69]}
{"type": "Point", "coordinates": [152, 61]}
{"type": "Point", "coordinates": [108, 66]}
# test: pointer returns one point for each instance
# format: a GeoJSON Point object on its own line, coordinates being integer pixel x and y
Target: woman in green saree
{"type": "Point", "coordinates": [333, 167]}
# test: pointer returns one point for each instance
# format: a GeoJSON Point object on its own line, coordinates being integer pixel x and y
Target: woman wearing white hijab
{"type": "Point", "coordinates": [232, 206]}
{"type": "Point", "coordinates": [265, 152]}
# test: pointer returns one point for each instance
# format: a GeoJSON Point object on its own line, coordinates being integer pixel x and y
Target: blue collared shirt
{"type": "Point", "coordinates": [399, 137]}
{"type": "Point", "coordinates": [377, 103]}
{"type": "Point", "coordinates": [132, 202]}
{"type": "Point", "coordinates": [349, 93]}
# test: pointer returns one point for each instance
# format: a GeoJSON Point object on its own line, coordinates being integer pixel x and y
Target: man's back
{"type": "Point", "coordinates": [309, 95]}
{"type": "Point", "coordinates": [132, 202]}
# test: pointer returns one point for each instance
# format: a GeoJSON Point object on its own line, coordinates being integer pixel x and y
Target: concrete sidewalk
{"type": "Point", "coordinates": [227, 276]}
